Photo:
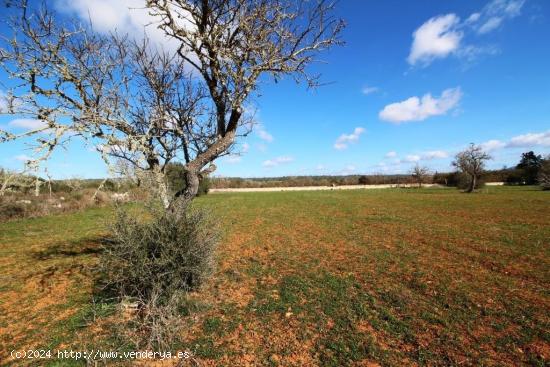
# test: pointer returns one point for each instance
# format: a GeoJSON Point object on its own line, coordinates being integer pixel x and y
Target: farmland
{"type": "Point", "coordinates": [362, 277]}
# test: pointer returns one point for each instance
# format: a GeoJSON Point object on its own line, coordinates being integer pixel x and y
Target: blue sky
{"type": "Point", "coordinates": [415, 83]}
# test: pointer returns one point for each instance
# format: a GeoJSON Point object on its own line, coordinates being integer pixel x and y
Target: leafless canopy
{"type": "Point", "coordinates": [419, 174]}
{"type": "Point", "coordinates": [135, 101]}
{"type": "Point", "coordinates": [471, 161]}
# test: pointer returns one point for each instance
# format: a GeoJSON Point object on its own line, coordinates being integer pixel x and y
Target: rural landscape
{"type": "Point", "coordinates": [250, 183]}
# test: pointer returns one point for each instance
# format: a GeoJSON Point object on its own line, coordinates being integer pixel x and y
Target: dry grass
{"type": "Point", "coordinates": [364, 278]}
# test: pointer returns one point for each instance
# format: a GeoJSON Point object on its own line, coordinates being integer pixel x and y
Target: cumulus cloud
{"type": "Point", "coordinates": [530, 139]}
{"type": "Point", "coordinates": [28, 124]}
{"type": "Point", "coordinates": [369, 90]}
{"type": "Point", "coordinates": [436, 38]}
{"type": "Point", "coordinates": [277, 161]}
{"type": "Point", "coordinates": [125, 16]}
{"type": "Point", "coordinates": [418, 109]}
{"type": "Point", "coordinates": [444, 35]}
{"type": "Point", "coordinates": [345, 139]}
{"type": "Point", "coordinates": [391, 154]}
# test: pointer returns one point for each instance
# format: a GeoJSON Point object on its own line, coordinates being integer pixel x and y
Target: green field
{"type": "Point", "coordinates": [327, 278]}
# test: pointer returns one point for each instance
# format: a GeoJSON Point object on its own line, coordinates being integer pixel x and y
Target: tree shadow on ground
{"type": "Point", "coordinates": [87, 246]}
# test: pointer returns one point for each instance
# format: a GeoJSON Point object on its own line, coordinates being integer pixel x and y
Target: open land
{"type": "Point", "coordinates": [390, 277]}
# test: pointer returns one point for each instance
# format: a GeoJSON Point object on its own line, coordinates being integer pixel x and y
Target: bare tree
{"type": "Point", "coordinates": [14, 180]}
{"type": "Point", "coordinates": [471, 161]}
{"type": "Point", "coordinates": [140, 103]}
{"type": "Point", "coordinates": [419, 174]}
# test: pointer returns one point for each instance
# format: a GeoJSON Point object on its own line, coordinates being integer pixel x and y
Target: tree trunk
{"type": "Point", "coordinates": [181, 201]}
{"type": "Point", "coordinates": [163, 189]}
{"type": "Point", "coordinates": [37, 185]}
{"type": "Point", "coordinates": [472, 184]}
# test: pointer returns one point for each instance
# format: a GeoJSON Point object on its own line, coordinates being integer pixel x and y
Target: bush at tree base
{"type": "Point", "coordinates": [155, 263]}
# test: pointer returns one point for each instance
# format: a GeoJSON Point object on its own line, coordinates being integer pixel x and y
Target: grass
{"type": "Point", "coordinates": [331, 278]}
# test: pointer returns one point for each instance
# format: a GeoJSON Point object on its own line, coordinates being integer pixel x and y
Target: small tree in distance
{"type": "Point", "coordinates": [419, 174]}
{"type": "Point", "coordinates": [471, 162]}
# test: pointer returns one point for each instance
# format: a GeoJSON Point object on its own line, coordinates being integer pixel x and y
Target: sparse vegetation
{"type": "Point", "coordinates": [154, 263]}
{"type": "Point", "coordinates": [325, 278]}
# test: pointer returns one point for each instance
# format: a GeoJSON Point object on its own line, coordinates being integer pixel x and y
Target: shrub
{"type": "Point", "coordinates": [155, 263]}
{"type": "Point", "coordinates": [10, 210]}
{"type": "Point", "coordinates": [163, 255]}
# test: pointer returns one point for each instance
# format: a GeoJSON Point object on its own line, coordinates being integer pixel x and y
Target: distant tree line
{"type": "Point", "coordinates": [532, 169]}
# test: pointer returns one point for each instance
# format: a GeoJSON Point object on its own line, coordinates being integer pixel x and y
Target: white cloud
{"type": "Point", "coordinates": [530, 139]}
{"type": "Point", "coordinates": [436, 38]}
{"type": "Point", "coordinates": [369, 90]}
{"type": "Point", "coordinates": [425, 156]}
{"type": "Point", "coordinates": [263, 134]}
{"type": "Point", "coordinates": [345, 139]}
{"type": "Point", "coordinates": [473, 18]}
{"type": "Point", "coordinates": [443, 35]}
{"type": "Point", "coordinates": [490, 25]}
{"type": "Point", "coordinates": [493, 15]}
{"type": "Point", "coordinates": [125, 16]}
{"type": "Point", "coordinates": [391, 154]}
{"type": "Point", "coordinates": [320, 167]}
{"type": "Point", "coordinates": [434, 154]}
{"type": "Point", "coordinates": [471, 53]}
{"type": "Point", "coordinates": [245, 148]}
{"type": "Point", "coordinates": [28, 124]}
{"type": "Point", "coordinates": [418, 109]}
{"type": "Point", "coordinates": [508, 8]}
{"type": "Point", "coordinates": [491, 145]}
{"type": "Point", "coordinates": [277, 161]}
{"type": "Point", "coordinates": [412, 158]}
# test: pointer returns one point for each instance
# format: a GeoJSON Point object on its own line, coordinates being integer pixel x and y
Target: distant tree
{"type": "Point", "coordinates": [419, 174]}
{"type": "Point", "coordinates": [544, 174]}
{"type": "Point", "coordinates": [363, 180]}
{"type": "Point", "coordinates": [471, 162]}
{"type": "Point", "coordinates": [529, 166]}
